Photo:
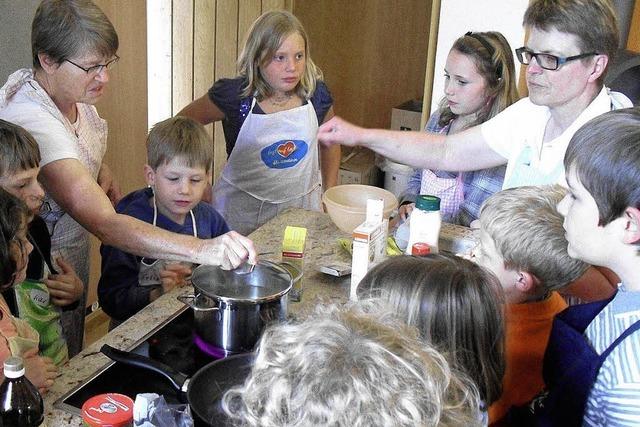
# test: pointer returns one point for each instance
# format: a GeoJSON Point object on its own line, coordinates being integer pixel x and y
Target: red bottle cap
{"type": "Point", "coordinates": [110, 409]}
{"type": "Point", "coordinates": [420, 249]}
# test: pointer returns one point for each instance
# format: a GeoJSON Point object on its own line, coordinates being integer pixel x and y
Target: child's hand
{"type": "Point", "coordinates": [66, 287]}
{"type": "Point", "coordinates": [41, 371]}
{"type": "Point", "coordinates": [405, 210]}
{"type": "Point", "coordinates": [174, 275]}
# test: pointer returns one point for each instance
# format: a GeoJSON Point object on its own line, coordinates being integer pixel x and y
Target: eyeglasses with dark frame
{"type": "Point", "coordinates": [96, 69]}
{"type": "Point", "coordinates": [546, 60]}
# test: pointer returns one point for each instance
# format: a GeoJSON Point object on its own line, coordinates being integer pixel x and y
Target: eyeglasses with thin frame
{"type": "Point", "coordinates": [546, 60]}
{"type": "Point", "coordinates": [96, 69]}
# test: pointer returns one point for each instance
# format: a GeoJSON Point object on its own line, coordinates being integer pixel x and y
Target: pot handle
{"type": "Point", "coordinates": [177, 379]}
{"type": "Point", "coordinates": [278, 266]}
{"type": "Point", "coordinates": [189, 300]}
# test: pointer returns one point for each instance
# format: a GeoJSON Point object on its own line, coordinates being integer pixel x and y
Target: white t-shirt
{"type": "Point", "coordinates": [518, 131]}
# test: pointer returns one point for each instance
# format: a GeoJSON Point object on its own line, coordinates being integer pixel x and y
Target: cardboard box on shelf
{"type": "Point", "coordinates": [358, 167]}
{"type": "Point", "coordinates": [407, 115]}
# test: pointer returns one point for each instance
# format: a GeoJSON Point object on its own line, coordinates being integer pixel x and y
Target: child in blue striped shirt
{"type": "Point", "coordinates": [598, 365]}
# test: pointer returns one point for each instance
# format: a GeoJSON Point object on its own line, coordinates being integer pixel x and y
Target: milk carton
{"type": "Point", "coordinates": [369, 243]}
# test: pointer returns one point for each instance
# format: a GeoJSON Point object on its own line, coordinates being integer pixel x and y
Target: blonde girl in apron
{"type": "Point", "coordinates": [270, 115]}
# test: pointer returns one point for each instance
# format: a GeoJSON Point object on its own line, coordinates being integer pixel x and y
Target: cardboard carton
{"type": "Point", "coordinates": [407, 116]}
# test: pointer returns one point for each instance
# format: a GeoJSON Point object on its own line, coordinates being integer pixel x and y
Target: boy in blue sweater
{"type": "Point", "coordinates": [179, 159]}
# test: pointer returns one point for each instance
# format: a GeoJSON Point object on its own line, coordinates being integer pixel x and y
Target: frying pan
{"type": "Point", "coordinates": [204, 390]}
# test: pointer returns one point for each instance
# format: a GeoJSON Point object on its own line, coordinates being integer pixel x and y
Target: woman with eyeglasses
{"type": "Point", "coordinates": [17, 337]}
{"type": "Point", "coordinates": [73, 47]}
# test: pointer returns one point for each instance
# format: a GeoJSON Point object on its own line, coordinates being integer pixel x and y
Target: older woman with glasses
{"type": "Point", "coordinates": [73, 46]}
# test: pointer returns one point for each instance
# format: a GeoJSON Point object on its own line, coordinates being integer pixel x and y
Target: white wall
{"type": "Point", "coordinates": [459, 16]}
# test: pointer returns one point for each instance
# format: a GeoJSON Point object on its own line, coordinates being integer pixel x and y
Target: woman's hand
{"type": "Point", "coordinates": [66, 287]}
{"type": "Point", "coordinates": [229, 251]}
{"type": "Point", "coordinates": [340, 131]}
{"type": "Point", "coordinates": [109, 185]}
{"type": "Point", "coordinates": [41, 371]}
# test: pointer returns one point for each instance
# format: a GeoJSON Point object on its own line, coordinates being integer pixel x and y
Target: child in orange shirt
{"type": "Point", "coordinates": [522, 242]}
{"type": "Point", "coordinates": [17, 338]}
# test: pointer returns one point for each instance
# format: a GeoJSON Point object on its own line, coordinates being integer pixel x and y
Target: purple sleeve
{"type": "Point", "coordinates": [321, 100]}
{"type": "Point", "coordinates": [225, 94]}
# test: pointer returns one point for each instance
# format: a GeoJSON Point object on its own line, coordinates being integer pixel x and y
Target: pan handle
{"type": "Point", "coordinates": [178, 380]}
{"type": "Point", "coordinates": [190, 300]}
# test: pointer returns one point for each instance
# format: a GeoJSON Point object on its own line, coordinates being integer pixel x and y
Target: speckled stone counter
{"type": "Point", "coordinates": [321, 249]}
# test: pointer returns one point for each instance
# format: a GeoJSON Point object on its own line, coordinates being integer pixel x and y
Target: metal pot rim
{"type": "Point", "coordinates": [244, 301]}
{"type": "Point", "coordinates": [253, 300]}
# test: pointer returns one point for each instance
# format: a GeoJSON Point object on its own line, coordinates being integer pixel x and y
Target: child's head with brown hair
{"type": "Point", "coordinates": [14, 245]}
{"type": "Point", "coordinates": [20, 165]}
{"type": "Point", "coordinates": [179, 138]}
{"type": "Point", "coordinates": [179, 156]}
{"type": "Point", "coordinates": [523, 243]}
{"type": "Point", "coordinates": [457, 307]}
{"type": "Point", "coordinates": [602, 210]}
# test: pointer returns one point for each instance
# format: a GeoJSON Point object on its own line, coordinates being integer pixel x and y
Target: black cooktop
{"type": "Point", "coordinates": [171, 343]}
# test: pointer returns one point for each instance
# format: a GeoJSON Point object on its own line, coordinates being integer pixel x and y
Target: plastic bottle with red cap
{"type": "Point", "coordinates": [425, 223]}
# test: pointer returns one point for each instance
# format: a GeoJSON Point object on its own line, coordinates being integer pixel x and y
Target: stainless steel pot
{"type": "Point", "coordinates": [232, 307]}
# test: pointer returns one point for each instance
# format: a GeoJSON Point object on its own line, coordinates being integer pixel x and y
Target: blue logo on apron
{"type": "Point", "coordinates": [284, 154]}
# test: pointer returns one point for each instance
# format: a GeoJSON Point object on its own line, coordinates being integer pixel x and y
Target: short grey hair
{"type": "Point", "coordinates": [63, 29]}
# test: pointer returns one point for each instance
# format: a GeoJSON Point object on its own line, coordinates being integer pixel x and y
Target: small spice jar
{"type": "Point", "coordinates": [109, 409]}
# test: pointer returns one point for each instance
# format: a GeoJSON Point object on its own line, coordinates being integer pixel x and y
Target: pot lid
{"type": "Point", "coordinates": [267, 281]}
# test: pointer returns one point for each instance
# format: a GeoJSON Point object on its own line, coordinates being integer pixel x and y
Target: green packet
{"type": "Point", "coordinates": [392, 248]}
{"type": "Point", "coordinates": [35, 307]}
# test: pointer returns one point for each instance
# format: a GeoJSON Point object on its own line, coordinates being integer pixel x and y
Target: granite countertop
{"type": "Point", "coordinates": [321, 249]}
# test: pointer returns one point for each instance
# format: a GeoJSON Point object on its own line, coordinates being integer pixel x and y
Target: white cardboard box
{"type": "Point", "coordinates": [407, 116]}
{"type": "Point", "coordinates": [369, 244]}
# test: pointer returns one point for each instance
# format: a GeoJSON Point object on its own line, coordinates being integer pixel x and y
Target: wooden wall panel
{"type": "Point", "coordinates": [268, 5]}
{"type": "Point", "coordinates": [204, 59]}
{"type": "Point", "coordinates": [373, 53]}
{"type": "Point", "coordinates": [633, 42]}
{"type": "Point", "coordinates": [203, 39]}
{"type": "Point", "coordinates": [182, 53]}
{"type": "Point", "coordinates": [124, 107]}
{"type": "Point", "coordinates": [226, 51]}
{"type": "Point", "coordinates": [248, 11]}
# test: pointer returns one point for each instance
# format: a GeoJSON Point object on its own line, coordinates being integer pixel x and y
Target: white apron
{"type": "Point", "coordinates": [528, 171]}
{"type": "Point", "coordinates": [273, 166]}
{"type": "Point", "coordinates": [150, 270]}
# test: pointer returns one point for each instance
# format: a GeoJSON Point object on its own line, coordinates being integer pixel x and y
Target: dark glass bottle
{"type": "Point", "coordinates": [20, 402]}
